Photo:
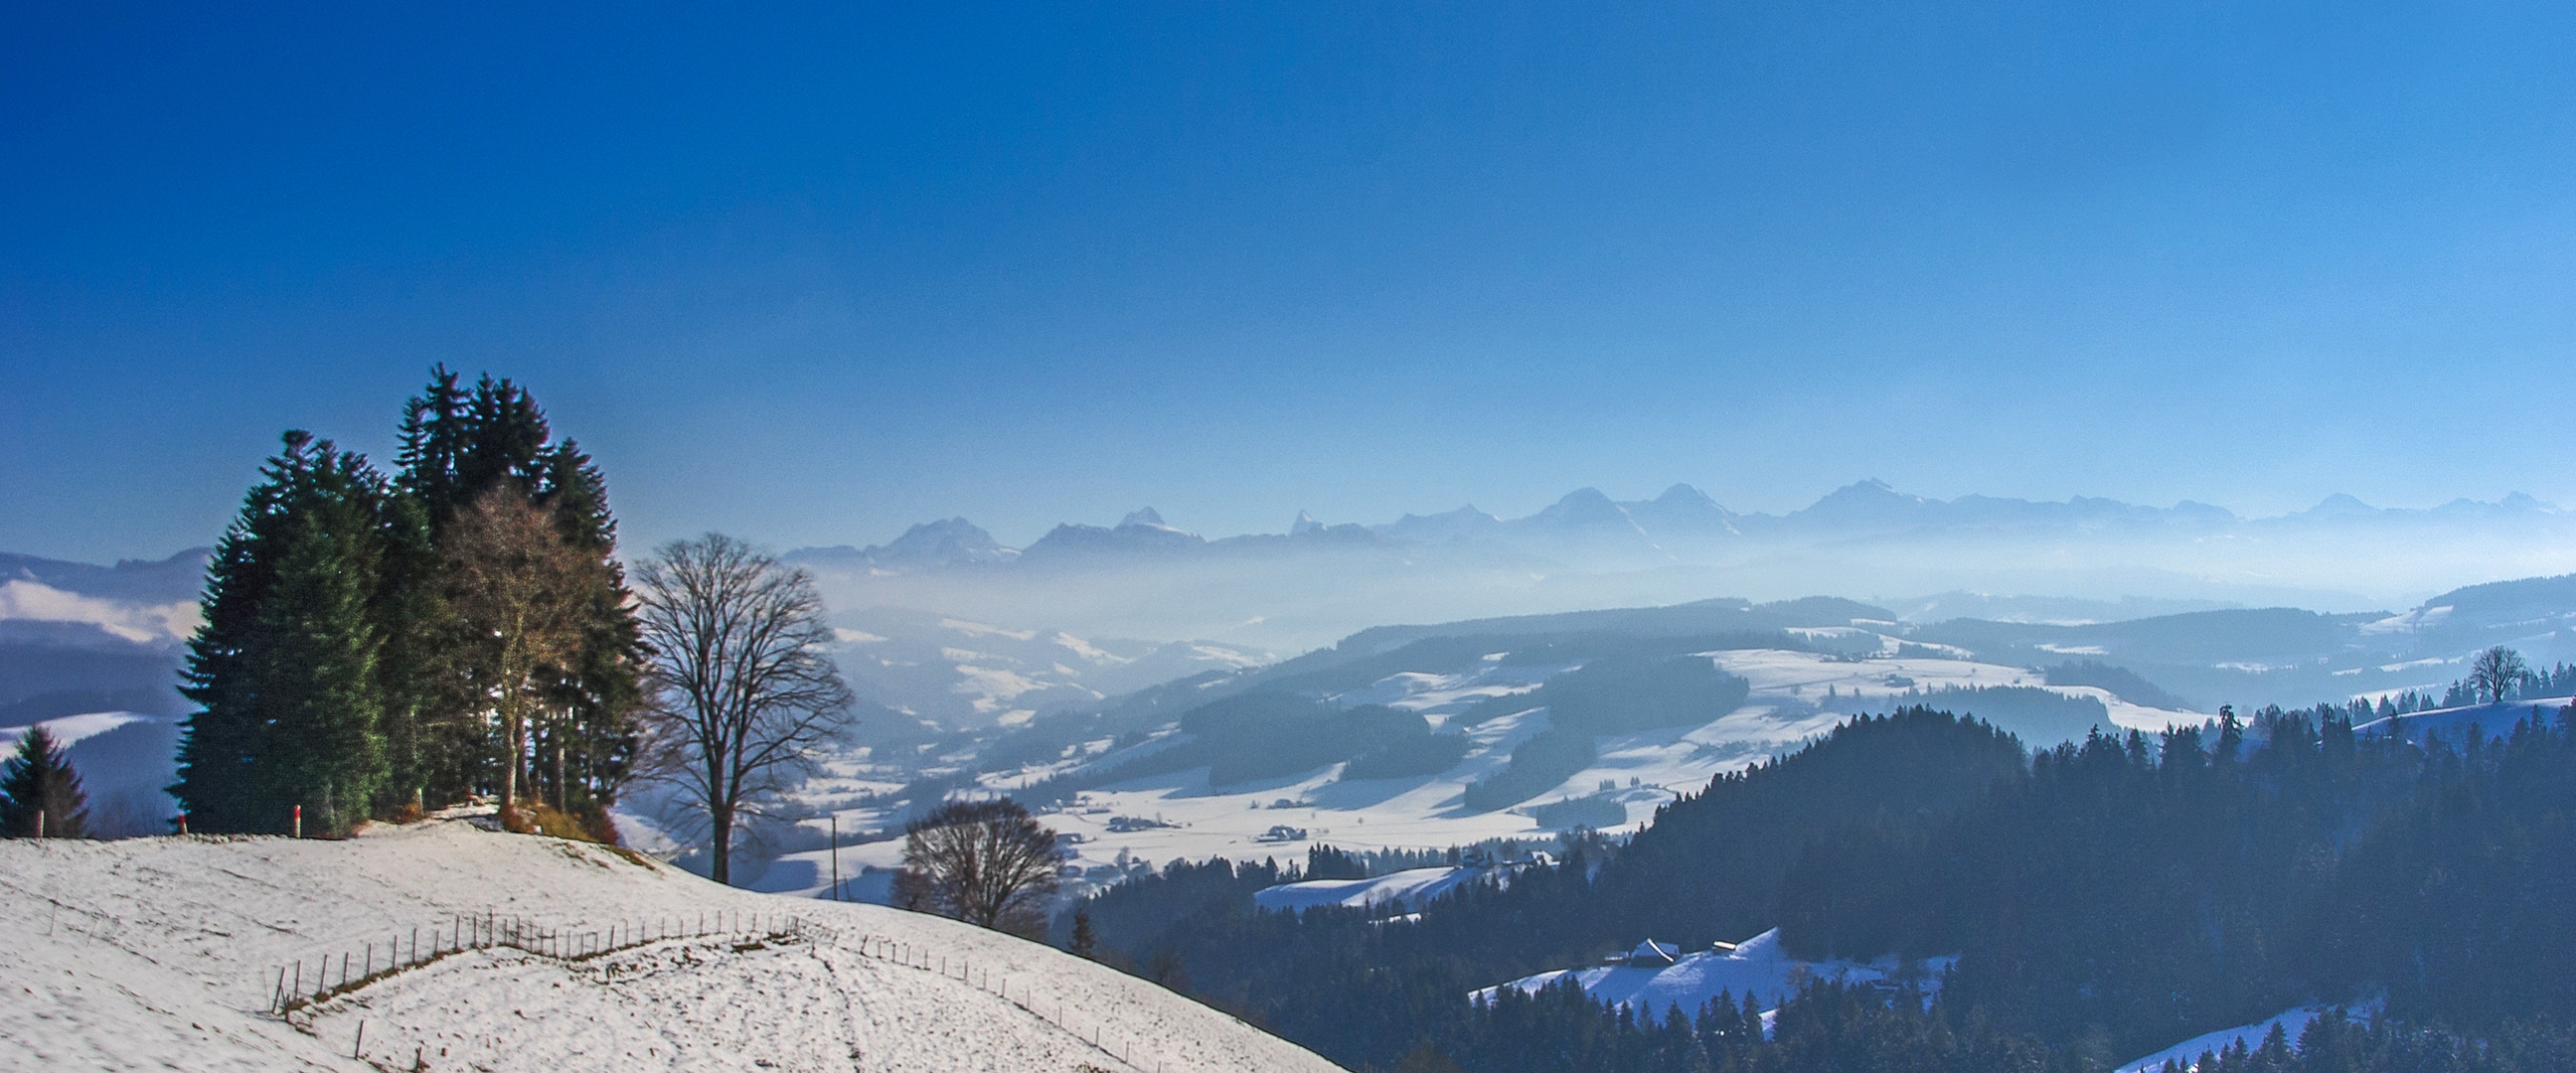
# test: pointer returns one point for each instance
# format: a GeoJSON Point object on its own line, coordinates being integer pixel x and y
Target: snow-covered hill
{"type": "Point", "coordinates": [1411, 888]}
{"type": "Point", "coordinates": [2188, 1052]}
{"type": "Point", "coordinates": [1795, 696]}
{"type": "Point", "coordinates": [1756, 968]}
{"type": "Point", "coordinates": [161, 954]}
{"type": "Point", "coordinates": [940, 674]}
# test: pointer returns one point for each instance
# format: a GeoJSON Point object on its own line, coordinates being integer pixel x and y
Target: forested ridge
{"type": "Point", "coordinates": [2104, 899]}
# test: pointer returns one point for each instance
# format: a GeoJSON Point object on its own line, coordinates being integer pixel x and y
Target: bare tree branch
{"type": "Point", "coordinates": [744, 686]}
{"type": "Point", "coordinates": [988, 863]}
{"type": "Point", "coordinates": [2497, 672]}
{"type": "Point", "coordinates": [518, 588]}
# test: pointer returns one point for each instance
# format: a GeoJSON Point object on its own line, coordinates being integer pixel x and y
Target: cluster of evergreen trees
{"type": "Point", "coordinates": [2105, 899]}
{"type": "Point", "coordinates": [374, 643]}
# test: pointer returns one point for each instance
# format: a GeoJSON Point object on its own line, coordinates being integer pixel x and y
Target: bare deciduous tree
{"type": "Point", "coordinates": [744, 687]}
{"type": "Point", "coordinates": [518, 588]}
{"type": "Point", "coordinates": [984, 862]}
{"type": "Point", "coordinates": [2496, 672]}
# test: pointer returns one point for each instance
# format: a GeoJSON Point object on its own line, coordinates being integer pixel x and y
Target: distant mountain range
{"type": "Point", "coordinates": [1587, 528]}
{"type": "Point", "coordinates": [1144, 577]}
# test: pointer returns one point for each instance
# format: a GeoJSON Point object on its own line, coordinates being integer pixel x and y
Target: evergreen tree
{"type": "Point", "coordinates": [1084, 939]}
{"type": "Point", "coordinates": [459, 444]}
{"type": "Point", "coordinates": [286, 668]}
{"type": "Point", "coordinates": [40, 794]}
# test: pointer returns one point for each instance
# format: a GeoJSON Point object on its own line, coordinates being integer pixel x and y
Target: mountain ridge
{"type": "Point", "coordinates": [1588, 521]}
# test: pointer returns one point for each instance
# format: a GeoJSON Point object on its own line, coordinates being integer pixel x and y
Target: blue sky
{"type": "Point", "coordinates": [808, 275]}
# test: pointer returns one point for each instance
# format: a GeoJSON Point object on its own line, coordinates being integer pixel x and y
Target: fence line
{"type": "Point", "coordinates": [1101, 1038]}
{"type": "Point", "coordinates": [295, 988]}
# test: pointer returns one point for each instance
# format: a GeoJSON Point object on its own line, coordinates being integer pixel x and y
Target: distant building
{"type": "Point", "coordinates": [1649, 955]}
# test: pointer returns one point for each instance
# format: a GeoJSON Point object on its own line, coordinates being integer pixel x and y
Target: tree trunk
{"type": "Point", "coordinates": [510, 769]}
{"type": "Point", "coordinates": [721, 869]}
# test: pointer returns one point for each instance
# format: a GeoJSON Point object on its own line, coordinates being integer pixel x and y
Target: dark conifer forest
{"type": "Point", "coordinates": [2104, 899]}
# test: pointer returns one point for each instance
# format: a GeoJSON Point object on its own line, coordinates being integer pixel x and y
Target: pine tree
{"type": "Point", "coordinates": [40, 794]}
{"type": "Point", "coordinates": [286, 668]}
{"type": "Point", "coordinates": [2274, 1054]}
{"type": "Point", "coordinates": [594, 741]}
{"type": "Point", "coordinates": [1084, 940]}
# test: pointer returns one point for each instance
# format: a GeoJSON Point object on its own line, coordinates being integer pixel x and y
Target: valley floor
{"type": "Point", "coordinates": [1795, 696]}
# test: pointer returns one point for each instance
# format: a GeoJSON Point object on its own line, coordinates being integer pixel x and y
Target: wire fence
{"type": "Point", "coordinates": [309, 980]}
{"type": "Point", "coordinates": [1120, 1046]}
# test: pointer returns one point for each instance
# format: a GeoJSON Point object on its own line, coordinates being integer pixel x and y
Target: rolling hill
{"type": "Point", "coordinates": [166, 953]}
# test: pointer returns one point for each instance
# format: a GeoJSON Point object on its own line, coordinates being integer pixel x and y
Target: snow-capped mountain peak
{"type": "Point", "coordinates": [1145, 517]}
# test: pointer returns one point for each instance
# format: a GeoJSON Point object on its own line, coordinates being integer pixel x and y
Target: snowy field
{"type": "Point", "coordinates": [71, 730]}
{"type": "Point", "coordinates": [1756, 967]}
{"type": "Point", "coordinates": [162, 953]}
{"type": "Point", "coordinates": [1796, 696]}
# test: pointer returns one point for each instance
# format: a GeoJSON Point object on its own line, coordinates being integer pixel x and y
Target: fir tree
{"type": "Point", "coordinates": [459, 444]}
{"type": "Point", "coordinates": [40, 794]}
{"type": "Point", "coordinates": [1084, 940]}
{"type": "Point", "coordinates": [287, 665]}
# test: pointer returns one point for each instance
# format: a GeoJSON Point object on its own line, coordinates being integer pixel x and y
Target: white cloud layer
{"type": "Point", "coordinates": [140, 623]}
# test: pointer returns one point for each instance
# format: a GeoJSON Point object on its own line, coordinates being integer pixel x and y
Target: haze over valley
{"type": "Point", "coordinates": [1123, 537]}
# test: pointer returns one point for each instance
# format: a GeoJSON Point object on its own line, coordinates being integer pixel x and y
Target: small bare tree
{"type": "Point", "coordinates": [518, 588]}
{"type": "Point", "coordinates": [987, 863]}
{"type": "Point", "coordinates": [745, 687]}
{"type": "Point", "coordinates": [2496, 672]}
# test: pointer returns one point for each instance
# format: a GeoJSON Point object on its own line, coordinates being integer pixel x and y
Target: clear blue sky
{"type": "Point", "coordinates": [809, 275]}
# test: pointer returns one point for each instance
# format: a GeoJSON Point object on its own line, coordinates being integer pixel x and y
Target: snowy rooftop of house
{"type": "Point", "coordinates": [1652, 951]}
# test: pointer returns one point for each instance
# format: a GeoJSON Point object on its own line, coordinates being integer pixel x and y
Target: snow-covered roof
{"type": "Point", "coordinates": [1652, 951]}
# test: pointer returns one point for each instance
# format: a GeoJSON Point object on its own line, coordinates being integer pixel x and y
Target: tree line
{"type": "Point", "coordinates": [2496, 675]}
{"type": "Point", "coordinates": [376, 645]}
{"type": "Point", "coordinates": [2105, 898]}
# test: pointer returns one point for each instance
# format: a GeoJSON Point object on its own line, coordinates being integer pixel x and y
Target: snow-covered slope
{"type": "Point", "coordinates": [1756, 967]}
{"type": "Point", "coordinates": [161, 953]}
{"type": "Point", "coordinates": [2452, 724]}
{"type": "Point", "coordinates": [2188, 1052]}
{"type": "Point", "coordinates": [944, 674]}
{"type": "Point", "coordinates": [1795, 696]}
{"type": "Point", "coordinates": [1412, 888]}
